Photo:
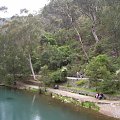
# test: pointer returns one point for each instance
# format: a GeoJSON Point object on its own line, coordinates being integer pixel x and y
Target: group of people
{"type": "Point", "coordinates": [79, 75]}
{"type": "Point", "coordinates": [99, 96]}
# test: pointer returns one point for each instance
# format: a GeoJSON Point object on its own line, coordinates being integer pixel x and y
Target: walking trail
{"type": "Point", "coordinates": [107, 107]}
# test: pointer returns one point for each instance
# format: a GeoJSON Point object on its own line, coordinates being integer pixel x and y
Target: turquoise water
{"type": "Point", "coordinates": [19, 105]}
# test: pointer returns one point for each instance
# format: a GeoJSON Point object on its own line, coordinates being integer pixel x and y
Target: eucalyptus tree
{"type": "Point", "coordinates": [21, 43]}
{"type": "Point", "coordinates": [90, 8]}
{"type": "Point", "coordinates": [29, 37]}
{"type": "Point", "coordinates": [65, 14]}
{"type": "Point", "coordinates": [110, 18]}
{"type": "Point", "coordinates": [11, 56]}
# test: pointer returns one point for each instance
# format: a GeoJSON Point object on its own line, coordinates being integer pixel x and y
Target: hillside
{"type": "Point", "coordinates": [65, 38]}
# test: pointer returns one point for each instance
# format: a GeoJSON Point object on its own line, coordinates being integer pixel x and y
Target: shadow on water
{"type": "Point", "coordinates": [9, 98]}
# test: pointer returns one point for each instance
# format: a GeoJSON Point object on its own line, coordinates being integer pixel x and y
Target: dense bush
{"type": "Point", "coordinates": [73, 69]}
{"type": "Point", "coordinates": [52, 77]}
{"type": "Point", "coordinates": [81, 82]}
{"type": "Point", "coordinates": [55, 77]}
{"type": "Point", "coordinates": [100, 70]}
{"type": "Point", "coordinates": [59, 76]}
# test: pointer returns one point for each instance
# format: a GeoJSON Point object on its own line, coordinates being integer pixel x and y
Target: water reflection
{"type": "Point", "coordinates": [33, 99]}
{"type": "Point", "coordinates": [16, 105]}
{"type": "Point", "coordinates": [4, 111]}
{"type": "Point", "coordinates": [37, 117]}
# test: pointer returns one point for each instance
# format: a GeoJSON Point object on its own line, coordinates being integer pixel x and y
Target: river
{"type": "Point", "coordinates": [21, 105]}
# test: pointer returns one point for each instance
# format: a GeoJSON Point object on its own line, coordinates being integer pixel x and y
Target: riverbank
{"type": "Point", "coordinates": [106, 107]}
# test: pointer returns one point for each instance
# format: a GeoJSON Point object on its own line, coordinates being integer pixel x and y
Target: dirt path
{"type": "Point", "coordinates": [107, 107]}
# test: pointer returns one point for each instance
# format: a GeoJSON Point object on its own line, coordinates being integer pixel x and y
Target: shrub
{"type": "Point", "coordinates": [91, 105]}
{"type": "Point", "coordinates": [55, 77]}
{"type": "Point", "coordinates": [73, 69]}
{"type": "Point", "coordinates": [59, 76]}
{"type": "Point", "coordinates": [99, 67]}
{"type": "Point", "coordinates": [64, 74]}
{"type": "Point", "coordinates": [81, 82]}
{"type": "Point", "coordinates": [9, 80]}
{"type": "Point", "coordinates": [109, 87]}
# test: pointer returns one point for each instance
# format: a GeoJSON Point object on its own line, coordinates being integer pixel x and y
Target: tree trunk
{"type": "Point", "coordinates": [31, 67]}
{"type": "Point", "coordinates": [94, 21]}
{"type": "Point", "coordinates": [95, 34]}
{"type": "Point", "coordinates": [80, 39]}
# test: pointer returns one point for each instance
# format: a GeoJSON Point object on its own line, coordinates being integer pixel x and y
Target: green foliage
{"type": "Point", "coordinates": [102, 76]}
{"type": "Point", "coordinates": [100, 70]}
{"type": "Point", "coordinates": [68, 85]}
{"type": "Point", "coordinates": [109, 87]}
{"type": "Point", "coordinates": [81, 82]}
{"type": "Point", "coordinates": [117, 62]}
{"type": "Point", "coordinates": [73, 69]}
{"type": "Point", "coordinates": [45, 75]}
{"type": "Point", "coordinates": [44, 70]}
{"type": "Point", "coordinates": [59, 76]}
{"type": "Point", "coordinates": [64, 74]}
{"type": "Point", "coordinates": [9, 80]}
{"type": "Point", "coordinates": [47, 38]}
{"type": "Point", "coordinates": [55, 77]}
{"type": "Point", "coordinates": [90, 105]}
{"type": "Point", "coordinates": [52, 41]}
{"type": "Point", "coordinates": [55, 57]}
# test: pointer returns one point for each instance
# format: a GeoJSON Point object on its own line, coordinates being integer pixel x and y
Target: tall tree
{"type": "Point", "coordinates": [90, 8]}
{"type": "Point", "coordinates": [69, 14]}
